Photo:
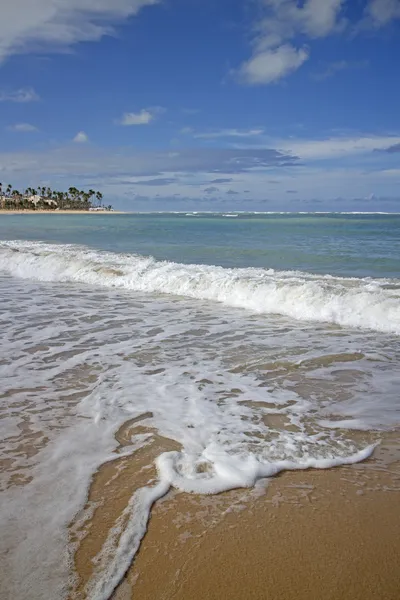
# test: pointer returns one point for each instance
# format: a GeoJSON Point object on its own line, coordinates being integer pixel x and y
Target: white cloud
{"type": "Point", "coordinates": [381, 12]}
{"type": "Point", "coordinates": [23, 127]}
{"type": "Point", "coordinates": [336, 147]}
{"type": "Point", "coordinates": [285, 18]}
{"type": "Point", "coordinates": [390, 173]}
{"type": "Point", "coordinates": [271, 65]}
{"type": "Point", "coordinates": [319, 18]}
{"type": "Point", "coordinates": [56, 24]}
{"type": "Point", "coordinates": [273, 57]}
{"type": "Point", "coordinates": [22, 95]}
{"type": "Point", "coordinates": [143, 117]}
{"type": "Point", "coordinates": [340, 65]}
{"type": "Point", "coordinates": [223, 133]}
{"type": "Point", "coordinates": [275, 54]}
{"type": "Point", "coordinates": [81, 138]}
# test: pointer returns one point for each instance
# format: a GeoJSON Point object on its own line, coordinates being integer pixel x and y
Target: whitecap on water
{"type": "Point", "coordinates": [353, 302]}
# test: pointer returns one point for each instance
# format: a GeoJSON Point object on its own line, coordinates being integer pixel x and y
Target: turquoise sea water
{"type": "Point", "coordinates": [351, 245]}
{"type": "Point", "coordinates": [257, 343]}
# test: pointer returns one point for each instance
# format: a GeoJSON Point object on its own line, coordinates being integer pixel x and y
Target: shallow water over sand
{"type": "Point", "coordinates": [215, 393]}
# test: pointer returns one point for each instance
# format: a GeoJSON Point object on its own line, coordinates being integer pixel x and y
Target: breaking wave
{"type": "Point", "coordinates": [351, 302]}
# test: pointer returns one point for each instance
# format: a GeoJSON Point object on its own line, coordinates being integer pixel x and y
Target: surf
{"type": "Point", "coordinates": [349, 302]}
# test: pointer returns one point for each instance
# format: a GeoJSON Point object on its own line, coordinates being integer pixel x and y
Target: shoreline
{"type": "Point", "coordinates": [332, 534]}
{"type": "Point", "coordinates": [62, 212]}
{"type": "Point", "coordinates": [191, 213]}
{"type": "Point", "coordinates": [312, 536]}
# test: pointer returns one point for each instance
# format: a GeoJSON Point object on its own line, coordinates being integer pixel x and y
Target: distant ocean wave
{"type": "Point", "coordinates": [212, 213]}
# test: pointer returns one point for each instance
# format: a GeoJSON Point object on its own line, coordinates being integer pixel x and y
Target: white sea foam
{"type": "Point", "coordinates": [114, 559]}
{"type": "Point", "coordinates": [82, 360]}
{"type": "Point", "coordinates": [350, 302]}
{"type": "Point", "coordinates": [267, 212]}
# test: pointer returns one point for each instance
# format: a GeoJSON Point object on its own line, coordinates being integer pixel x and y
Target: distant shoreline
{"type": "Point", "coordinates": [193, 213]}
{"type": "Point", "coordinates": [60, 212]}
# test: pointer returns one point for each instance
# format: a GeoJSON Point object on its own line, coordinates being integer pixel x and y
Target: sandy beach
{"type": "Point", "coordinates": [331, 534]}
{"type": "Point", "coordinates": [200, 393]}
{"type": "Point", "coordinates": [61, 212]}
{"type": "Point", "coordinates": [136, 392]}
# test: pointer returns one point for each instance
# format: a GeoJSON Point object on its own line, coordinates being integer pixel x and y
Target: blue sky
{"type": "Point", "coordinates": [204, 105]}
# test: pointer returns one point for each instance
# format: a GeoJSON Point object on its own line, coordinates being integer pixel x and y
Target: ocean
{"type": "Point", "coordinates": [253, 343]}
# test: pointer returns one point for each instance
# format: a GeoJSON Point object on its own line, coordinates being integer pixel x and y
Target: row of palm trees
{"type": "Point", "coordinates": [45, 197]}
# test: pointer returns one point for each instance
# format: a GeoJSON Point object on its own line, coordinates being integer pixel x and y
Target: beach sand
{"type": "Point", "coordinates": [312, 535]}
{"type": "Point", "coordinates": [61, 212]}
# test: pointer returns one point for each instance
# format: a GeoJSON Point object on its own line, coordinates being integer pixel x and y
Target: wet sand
{"type": "Point", "coordinates": [309, 535]}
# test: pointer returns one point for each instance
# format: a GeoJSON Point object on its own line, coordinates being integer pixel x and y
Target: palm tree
{"type": "Point", "coordinates": [91, 193]}
{"type": "Point", "coordinates": [85, 200]}
{"type": "Point", "coordinates": [74, 198]}
{"type": "Point", "coordinates": [99, 197]}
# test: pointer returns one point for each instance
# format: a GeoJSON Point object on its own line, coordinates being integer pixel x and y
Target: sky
{"type": "Point", "coordinates": [266, 105]}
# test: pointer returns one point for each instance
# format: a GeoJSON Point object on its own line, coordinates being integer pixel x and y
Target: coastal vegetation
{"type": "Point", "coordinates": [44, 198]}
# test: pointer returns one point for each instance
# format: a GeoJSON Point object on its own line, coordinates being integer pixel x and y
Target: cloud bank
{"type": "Point", "coordinates": [27, 25]}
{"type": "Point", "coordinates": [282, 35]}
